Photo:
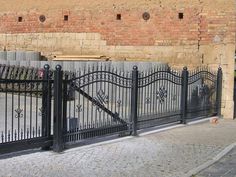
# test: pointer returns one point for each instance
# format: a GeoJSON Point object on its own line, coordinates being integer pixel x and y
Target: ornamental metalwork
{"type": "Point", "coordinates": [203, 91]}
{"type": "Point", "coordinates": [101, 98]}
{"type": "Point", "coordinates": [79, 108]}
{"type": "Point", "coordinates": [40, 111]}
{"type": "Point", "coordinates": [148, 100]}
{"type": "Point", "coordinates": [119, 103]}
{"type": "Point", "coordinates": [19, 113]}
{"type": "Point", "coordinates": [161, 94]}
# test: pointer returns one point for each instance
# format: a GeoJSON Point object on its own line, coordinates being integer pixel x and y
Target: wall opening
{"type": "Point", "coordinates": [181, 15]}
{"type": "Point", "coordinates": [42, 18]}
{"type": "Point", "coordinates": [20, 19]}
{"type": "Point", "coordinates": [66, 17]}
{"type": "Point", "coordinates": [118, 17]}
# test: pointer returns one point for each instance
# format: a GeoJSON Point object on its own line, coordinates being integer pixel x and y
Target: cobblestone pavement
{"type": "Point", "coordinates": [226, 167]}
{"type": "Point", "coordinates": [168, 153]}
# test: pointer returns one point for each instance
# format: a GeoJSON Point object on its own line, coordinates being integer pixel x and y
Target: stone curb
{"type": "Point", "coordinates": [210, 162]}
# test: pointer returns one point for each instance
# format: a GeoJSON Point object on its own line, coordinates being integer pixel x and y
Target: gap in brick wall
{"type": "Point", "coordinates": [66, 17]}
{"type": "Point", "coordinates": [20, 19]}
{"type": "Point", "coordinates": [118, 17]}
{"type": "Point", "coordinates": [181, 15]}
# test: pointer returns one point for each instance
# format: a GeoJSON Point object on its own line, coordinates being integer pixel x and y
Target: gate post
{"type": "Point", "coordinates": [46, 104]}
{"type": "Point", "coordinates": [184, 95]}
{"type": "Point", "coordinates": [58, 117]}
{"type": "Point", "coordinates": [219, 91]}
{"type": "Point", "coordinates": [134, 100]}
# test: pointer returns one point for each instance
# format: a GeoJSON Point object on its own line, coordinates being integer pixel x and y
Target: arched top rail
{"type": "Point", "coordinates": [121, 79]}
{"type": "Point", "coordinates": [146, 79]}
{"type": "Point", "coordinates": [206, 75]}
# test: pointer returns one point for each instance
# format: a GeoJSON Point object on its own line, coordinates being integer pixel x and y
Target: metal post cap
{"type": "Point", "coordinates": [135, 67]}
{"type": "Point", "coordinates": [58, 67]}
{"type": "Point", "coordinates": [46, 66]}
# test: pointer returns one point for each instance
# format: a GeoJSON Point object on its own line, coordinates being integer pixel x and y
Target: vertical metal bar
{"type": "Point", "coordinates": [122, 98]}
{"type": "Point", "coordinates": [126, 99]}
{"type": "Point", "coordinates": [65, 82]}
{"type": "Point", "coordinates": [141, 97]}
{"type": "Point", "coordinates": [37, 105]}
{"type": "Point", "coordinates": [155, 92]}
{"type": "Point", "coordinates": [96, 90]}
{"type": "Point", "coordinates": [119, 95]}
{"type": "Point", "coordinates": [12, 128]}
{"type": "Point", "coordinates": [6, 122]}
{"type": "Point", "coordinates": [184, 95]}
{"type": "Point", "coordinates": [151, 95]}
{"type": "Point", "coordinates": [219, 91]}
{"type": "Point", "coordinates": [44, 101]}
{"type": "Point", "coordinates": [84, 124]}
{"type": "Point", "coordinates": [19, 117]}
{"type": "Point", "coordinates": [109, 98]}
{"type": "Point", "coordinates": [116, 80]}
{"type": "Point", "coordinates": [46, 105]}
{"type": "Point", "coordinates": [92, 90]}
{"type": "Point", "coordinates": [58, 120]}
{"type": "Point", "coordinates": [134, 99]}
{"type": "Point", "coordinates": [25, 101]}
{"type": "Point", "coordinates": [30, 111]}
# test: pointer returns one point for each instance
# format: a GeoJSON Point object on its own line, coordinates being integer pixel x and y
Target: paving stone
{"type": "Point", "coordinates": [170, 153]}
{"type": "Point", "coordinates": [225, 167]}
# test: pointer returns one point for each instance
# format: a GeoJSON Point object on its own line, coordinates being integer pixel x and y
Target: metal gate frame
{"type": "Point", "coordinates": [60, 88]}
{"type": "Point", "coordinates": [44, 139]}
{"type": "Point", "coordinates": [57, 87]}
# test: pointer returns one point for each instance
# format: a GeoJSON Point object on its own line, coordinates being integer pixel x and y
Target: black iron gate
{"type": "Point", "coordinates": [97, 102]}
{"type": "Point", "coordinates": [25, 105]}
{"type": "Point", "coordinates": [204, 92]}
{"type": "Point", "coordinates": [159, 97]}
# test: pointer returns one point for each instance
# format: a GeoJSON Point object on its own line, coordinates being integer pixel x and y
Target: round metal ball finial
{"type": "Point", "coordinates": [135, 67]}
{"type": "Point", "coordinates": [46, 66]}
{"type": "Point", "coordinates": [185, 68]}
{"type": "Point", "coordinates": [58, 67]}
{"type": "Point", "coordinates": [146, 16]}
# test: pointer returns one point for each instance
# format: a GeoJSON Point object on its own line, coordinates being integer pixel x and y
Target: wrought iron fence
{"type": "Point", "coordinates": [159, 97]}
{"type": "Point", "coordinates": [202, 93]}
{"type": "Point", "coordinates": [100, 101]}
{"type": "Point", "coordinates": [97, 103]}
{"type": "Point", "coordinates": [24, 120]}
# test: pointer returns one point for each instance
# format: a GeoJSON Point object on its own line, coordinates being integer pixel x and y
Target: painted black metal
{"type": "Point", "coordinates": [99, 102]}
{"type": "Point", "coordinates": [25, 114]}
{"type": "Point", "coordinates": [202, 93]}
{"type": "Point", "coordinates": [46, 104]}
{"type": "Point", "coordinates": [184, 95]}
{"type": "Point", "coordinates": [101, 76]}
{"type": "Point", "coordinates": [58, 129]}
{"type": "Point", "coordinates": [219, 91]}
{"type": "Point", "coordinates": [43, 142]}
{"type": "Point", "coordinates": [134, 100]}
{"type": "Point", "coordinates": [158, 97]}
{"type": "Point", "coordinates": [115, 115]}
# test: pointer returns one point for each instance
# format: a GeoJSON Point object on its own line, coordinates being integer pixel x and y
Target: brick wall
{"type": "Point", "coordinates": [205, 34]}
{"type": "Point", "coordinates": [164, 28]}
